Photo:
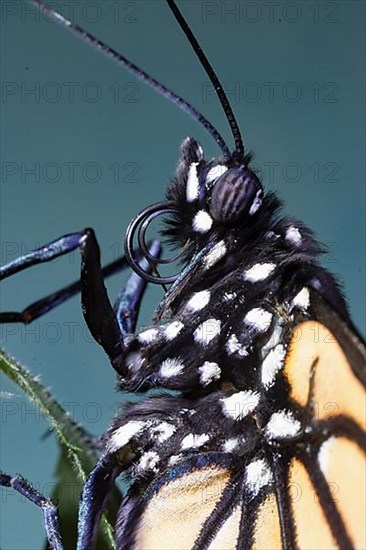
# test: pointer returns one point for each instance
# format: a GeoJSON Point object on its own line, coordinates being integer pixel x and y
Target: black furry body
{"type": "Point", "coordinates": [261, 241]}
{"type": "Point", "coordinates": [200, 430]}
{"type": "Point", "coordinates": [220, 338]}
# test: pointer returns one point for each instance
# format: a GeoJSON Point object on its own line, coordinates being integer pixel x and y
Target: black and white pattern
{"type": "Point", "coordinates": [239, 299]}
{"type": "Point", "coordinates": [223, 347]}
{"type": "Point", "coordinates": [220, 338]}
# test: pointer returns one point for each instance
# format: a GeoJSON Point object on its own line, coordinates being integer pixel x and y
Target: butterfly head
{"type": "Point", "coordinates": [212, 207]}
{"type": "Point", "coordinates": [210, 196]}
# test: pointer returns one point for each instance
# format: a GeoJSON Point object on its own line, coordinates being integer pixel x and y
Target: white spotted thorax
{"type": "Point", "coordinates": [207, 331]}
{"type": "Point", "coordinates": [124, 434]}
{"type": "Point", "coordinates": [221, 420]}
{"type": "Point", "coordinates": [259, 272]}
{"type": "Point", "coordinates": [218, 326]}
{"type": "Point", "coordinates": [171, 367]}
{"type": "Point", "coordinates": [231, 444]}
{"type": "Point", "coordinates": [198, 301]}
{"type": "Point", "coordinates": [172, 330]}
{"type": "Point", "coordinates": [233, 346]}
{"type": "Point", "coordinates": [148, 461]}
{"type": "Point", "coordinates": [209, 371]}
{"type": "Point", "coordinates": [225, 344]}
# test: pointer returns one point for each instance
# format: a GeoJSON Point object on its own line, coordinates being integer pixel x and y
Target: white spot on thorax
{"type": "Point", "coordinates": [123, 434]}
{"type": "Point", "coordinates": [324, 454]}
{"type": "Point", "coordinates": [163, 431]}
{"type": "Point", "coordinates": [228, 296]}
{"type": "Point", "coordinates": [202, 222]}
{"type": "Point", "coordinates": [209, 371]}
{"type": "Point", "coordinates": [171, 367]}
{"type": "Point", "coordinates": [302, 299]}
{"type": "Point", "coordinates": [230, 444]}
{"type": "Point", "coordinates": [193, 186]}
{"type": "Point", "coordinates": [234, 346]}
{"type": "Point", "coordinates": [148, 461]}
{"type": "Point", "coordinates": [258, 475]}
{"type": "Point", "coordinates": [272, 364]}
{"type": "Point", "coordinates": [171, 330]}
{"type": "Point", "coordinates": [193, 441]}
{"type": "Point", "coordinates": [258, 319]}
{"type": "Point", "coordinates": [217, 252]}
{"type": "Point", "coordinates": [148, 336]}
{"type": "Point", "coordinates": [282, 424]}
{"type": "Point", "coordinates": [240, 404]}
{"type": "Point", "coordinates": [199, 300]}
{"type": "Point", "coordinates": [258, 272]}
{"type": "Point", "coordinates": [215, 172]}
{"type": "Point", "coordinates": [293, 235]}
{"type": "Point", "coordinates": [207, 331]}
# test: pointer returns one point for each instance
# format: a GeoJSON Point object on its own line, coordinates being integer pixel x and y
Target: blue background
{"type": "Point", "coordinates": [308, 136]}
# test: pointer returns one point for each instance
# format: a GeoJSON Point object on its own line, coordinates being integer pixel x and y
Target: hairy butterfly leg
{"type": "Point", "coordinates": [49, 510]}
{"type": "Point", "coordinates": [47, 303]}
{"type": "Point", "coordinates": [93, 499]}
{"type": "Point", "coordinates": [45, 253]}
{"type": "Point", "coordinates": [102, 321]}
{"type": "Point", "coordinates": [99, 315]}
{"type": "Point", "coordinates": [97, 309]}
{"type": "Point", "coordinates": [128, 301]}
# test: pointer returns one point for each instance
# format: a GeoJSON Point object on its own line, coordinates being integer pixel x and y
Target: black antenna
{"type": "Point", "coordinates": [239, 146]}
{"type": "Point", "coordinates": [142, 75]}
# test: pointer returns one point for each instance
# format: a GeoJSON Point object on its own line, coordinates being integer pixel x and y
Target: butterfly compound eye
{"type": "Point", "coordinates": [237, 192]}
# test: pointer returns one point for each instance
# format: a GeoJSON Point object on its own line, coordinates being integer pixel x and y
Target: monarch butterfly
{"type": "Point", "coordinates": [227, 465]}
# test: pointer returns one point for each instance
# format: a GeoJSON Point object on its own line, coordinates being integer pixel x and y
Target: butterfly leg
{"type": "Point", "coordinates": [99, 315]}
{"type": "Point", "coordinates": [49, 510]}
{"type": "Point", "coordinates": [47, 303]}
{"type": "Point", "coordinates": [98, 312]}
{"type": "Point", "coordinates": [95, 493]}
